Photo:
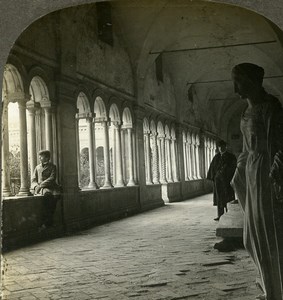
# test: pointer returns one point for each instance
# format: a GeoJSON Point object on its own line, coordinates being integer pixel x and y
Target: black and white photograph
{"type": "Point", "coordinates": [141, 149]}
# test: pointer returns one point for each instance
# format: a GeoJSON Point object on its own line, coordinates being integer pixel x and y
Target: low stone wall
{"type": "Point", "coordinates": [152, 197]}
{"type": "Point", "coordinates": [194, 188]}
{"type": "Point", "coordinates": [22, 218]}
{"type": "Point", "coordinates": [101, 205]}
{"type": "Point", "coordinates": [172, 192]}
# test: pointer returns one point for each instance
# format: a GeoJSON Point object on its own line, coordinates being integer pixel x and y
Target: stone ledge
{"type": "Point", "coordinates": [231, 223]}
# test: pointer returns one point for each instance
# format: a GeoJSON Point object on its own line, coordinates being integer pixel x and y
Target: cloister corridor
{"type": "Point", "coordinates": [166, 253]}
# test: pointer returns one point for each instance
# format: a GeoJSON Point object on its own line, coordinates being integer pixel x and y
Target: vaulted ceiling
{"type": "Point", "coordinates": [200, 42]}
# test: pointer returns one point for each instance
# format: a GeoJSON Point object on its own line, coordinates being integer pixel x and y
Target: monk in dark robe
{"type": "Point", "coordinates": [258, 180]}
{"type": "Point", "coordinates": [221, 171]}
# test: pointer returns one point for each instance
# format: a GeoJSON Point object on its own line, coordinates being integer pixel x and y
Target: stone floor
{"type": "Point", "coordinates": [162, 254]}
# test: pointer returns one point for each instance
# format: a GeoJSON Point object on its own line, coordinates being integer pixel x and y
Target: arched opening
{"type": "Point", "coordinates": [121, 52]}
{"type": "Point", "coordinates": [116, 161]}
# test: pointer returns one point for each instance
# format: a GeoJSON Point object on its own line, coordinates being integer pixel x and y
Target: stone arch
{"type": "Point", "coordinates": [13, 86]}
{"type": "Point", "coordinates": [114, 113]}
{"type": "Point", "coordinates": [160, 128]}
{"type": "Point", "coordinates": [83, 103]}
{"type": "Point", "coordinates": [127, 117]}
{"type": "Point", "coordinates": [153, 126]}
{"type": "Point", "coordinates": [38, 90]}
{"type": "Point", "coordinates": [99, 109]}
{"type": "Point", "coordinates": [145, 125]}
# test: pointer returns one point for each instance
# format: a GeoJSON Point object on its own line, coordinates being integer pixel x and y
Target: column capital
{"type": "Point", "coordinates": [101, 119]}
{"type": "Point", "coordinates": [87, 115]}
{"type": "Point", "coordinates": [19, 97]}
{"type": "Point", "coordinates": [32, 106]}
{"type": "Point", "coordinates": [116, 124]}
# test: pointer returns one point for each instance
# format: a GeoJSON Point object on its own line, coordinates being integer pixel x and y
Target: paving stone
{"type": "Point", "coordinates": [164, 254]}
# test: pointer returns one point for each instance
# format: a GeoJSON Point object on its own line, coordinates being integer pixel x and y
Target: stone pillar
{"type": "Point", "coordinates": [32, 107]}
{"type": "Point", "coordinates": [54, 136]}
{"type": "Point", "coordinates": [185, 152]}
{"type": "Point", "coordinates": [194, 162]}
{"type": "Point", "coordinates": [190, 160]}
{"type": "Point", "coordinates": [198, 175]}
{"type": "Point", "coordinates": [155, 158]}
{"type": "Point", "coordinates": [147, 156]}
{"type": "Point", "coordinates": [118, 161]}
{"type": "Point", "coordinates": [24, 189]}
{"type": "Point", "coordinates": [6, 189]}
{"type": "Point", "coordinates": [78, 149]}
{"type": "Point", "coordinates": [89, 120]}
{"type": "Point", "coordinates": [107, 180]}
{"type": "Point", "coordinates": [48, 128]}
{"type": "Point", "coordinates": [135, 154]}
{"type": "Point", "coordinates": [205, 156]}
{"type": "Point", "coordinates": [163, 164]}
{"type": "Point", "coordinates": [169, 159]}
{"type": "Point", "coordinates": [174, 160]}
{"type": "Point", "coordinates": [181, 157]}
{"type": "Point", "coordinates": [131, 181]}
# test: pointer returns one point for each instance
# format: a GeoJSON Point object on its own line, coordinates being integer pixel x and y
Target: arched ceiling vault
{"type": "Point", "coordinates": [200, 42]}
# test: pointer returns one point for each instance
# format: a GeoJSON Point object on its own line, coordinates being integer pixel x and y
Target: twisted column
{"type": "Point", "coordinates": [147, 156]}
{"type": "Point", "coordinates": [174, 160]}
{"type": "Point", "coordinates": [162, 155]}
{"type": "Point", "coordinates": [169, 160]}
{"type": "Point", "coordinates": [155, 158]}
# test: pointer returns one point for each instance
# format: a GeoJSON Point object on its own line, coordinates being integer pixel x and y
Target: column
{"type": "Point", "coordinates": [135, 155]}
{"type": "Point", "coordinates": [185, 150]}
{"type": "Point", "coordinates": [191, 159]}
{"type": "Point", "coordinates": [174, 160]}
{"type": "Point", "coordinates": [6, 189]}
{"type": "Point", "coordinates": [162, 165]}
{"type": "Point", "coordinates": [78, 150]}
{"type": "Point", "coordinates": [169, 159]}
{"type": "Point", "coordinates": [54, 136]}
{"type": "Point", "coordinates": [92, 184]}
{"type": "Point", "coordinates": [118, 153]}
{"type": "Point", "coordinates": [197, 160]}
{"type": "Point", "coordinates": [205, 156]}
{"type": "Point", "coordinates": [131, 181]}
{"type": "Point", "coordinates": [32, 108]}
{"type": "Point", "coordinates": [147, 154]}
{"type": "Point", "coordinates": [24, 189]}
{"type": "Point", "coordinates": [114, 157]}
{"type": "Point", "coordinates": [155, 158]}
{"type": "Point", "coordinates": [194, 170]}
{"type": "Point", "coordinates": [48, 128]}
{"type": "Point", "coordinates": [107, 179]}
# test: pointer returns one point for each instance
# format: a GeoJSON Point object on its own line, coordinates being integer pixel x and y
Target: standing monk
{"type": "Point", "coordinates": [221, 171]}
{"type": "Point", "coordinates": [258, 180]}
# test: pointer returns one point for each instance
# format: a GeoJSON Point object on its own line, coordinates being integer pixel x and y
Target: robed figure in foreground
{"type": "Point", "coordinates": [221, 171]}
{"type": "Point", "coordinates": [258, 180]}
